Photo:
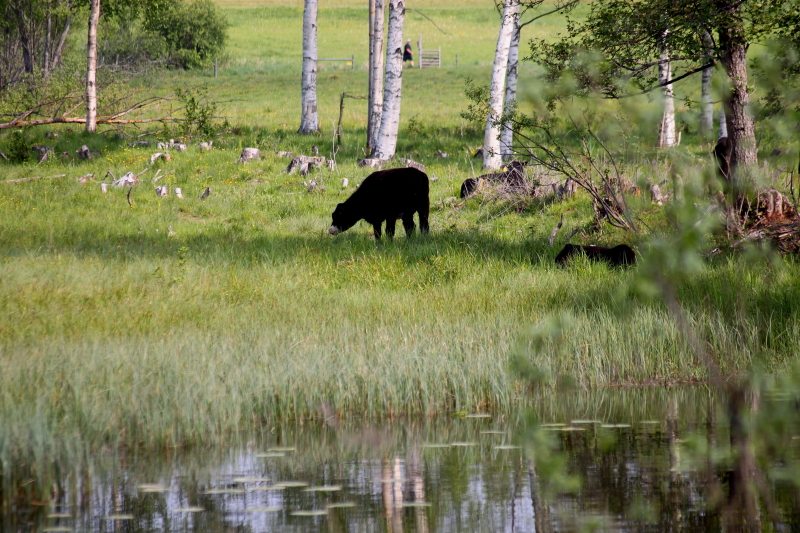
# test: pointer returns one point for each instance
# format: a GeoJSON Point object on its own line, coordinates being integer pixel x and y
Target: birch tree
{"type": "Point", "coordinates": [375, 103]}
{"type": "Point", "coordinates": [491, 143]}
{"type": "Point", "coordinates": [309, 120]}
{"type": "Point", "coordinates": [390, 116]}
{"type": "Point", "coordinates": [707, 107]}
{"type": "Point", "coordinates": [666, 132]}
{"type": "Point", "coordinates": [507, 135]}
{"type": "Point", "coordinates": [91, 67]}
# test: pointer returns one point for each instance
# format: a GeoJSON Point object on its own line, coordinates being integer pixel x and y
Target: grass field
{"type": "Point", "coordinates": [181, 321]}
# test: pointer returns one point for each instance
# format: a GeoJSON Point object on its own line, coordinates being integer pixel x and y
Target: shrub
{"type": "Point", "coordinates": [194, 33]}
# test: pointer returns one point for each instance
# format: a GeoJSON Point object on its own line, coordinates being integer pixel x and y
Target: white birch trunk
{"type": "Point", "coordinates": [309, 120]}
{"type": "Point", "coordinates": [91, 68]}
{"type": "Point", "coordinates": [507, 135]}
{"type": "Point", "coordinates": [707, 107]}
{"type": "Point", "coordinates": [376, 76]}
{"type": "Point", "coordinates": [666, 134]}
{"type": "Point", "coordinates": [390, 116]}
{"type": "Point", "coordinates": [492, 158]}
{"type": "Point", "coordinates": [723, 123]}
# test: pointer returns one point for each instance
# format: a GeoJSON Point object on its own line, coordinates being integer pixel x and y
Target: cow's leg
{"type": "Point", "coordinates": [408, 223]}
{"type": "Point", "coordinates": [376, 228]}
{"type": "Point", "coordinates": [390, 224]}
{"type": "Point", "coordinates": [423, 211]}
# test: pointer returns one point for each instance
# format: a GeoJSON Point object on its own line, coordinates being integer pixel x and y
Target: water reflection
{"type": "Point", "coordinates": [453, 474]}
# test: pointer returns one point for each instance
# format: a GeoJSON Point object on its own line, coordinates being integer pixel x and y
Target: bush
{"type": "Point", "coordinates": [194, 33]}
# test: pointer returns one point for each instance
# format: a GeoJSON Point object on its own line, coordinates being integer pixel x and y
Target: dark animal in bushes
{"type": "Point", "coordinates": [620, 255]}
{"type": "Point", "coordinates": [513, 176]}
{"type": "Point", "coordinates": [386, 195]}
{"type": "Point", "coordinates": [722, 153]}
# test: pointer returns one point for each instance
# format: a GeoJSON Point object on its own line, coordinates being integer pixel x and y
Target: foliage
{"type": "Point", "coordinates": [199, 112]}
{"type": "Point", "coordinates": [629, 36]}
{"type": "Point", "coordinates": [19, 149]}
{"type": "Point", "coordinates": [195, 33]}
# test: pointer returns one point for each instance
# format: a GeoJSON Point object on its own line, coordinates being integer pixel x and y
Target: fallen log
{"type": "Point", "coordinates": [20, 180]}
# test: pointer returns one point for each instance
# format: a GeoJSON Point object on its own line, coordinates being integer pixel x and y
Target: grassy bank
{"type": "Point", "coordinates": [174, 321]}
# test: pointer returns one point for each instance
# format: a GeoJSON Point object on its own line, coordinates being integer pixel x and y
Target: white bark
{"type": "Point", "coordinates": [309, 120]}
{"type": "Point", "coordinates": [390, 116]}
{"type": "Point", "coordinates": [491, 143]}
{"type": "Point", "coordinates": [91, 68]}
{"type": "Point", "coordinates": [507, 135]}
{"type": "Point", "coordinates": [723, 123]}
{"type": "Point", "coordinates": [375, 75]}
{"type": "Point", "coordinates": [707, 107]}
{"type": "Point", "coordinates": [666, 134]}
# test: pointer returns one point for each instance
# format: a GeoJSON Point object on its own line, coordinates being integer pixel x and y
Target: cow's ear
{"type": "Point", "coordinates": [338, 205]}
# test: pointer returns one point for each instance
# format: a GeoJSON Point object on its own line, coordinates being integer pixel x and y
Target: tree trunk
{"type": "Point", "coordinates": [24, 39]}
{"type": "Point", "coordinates": [741, 130]}
{"type": "Point", "coordinates": [723, 123]}
{"type": "Point", "coordinates": [666, 134]}
{"type": "Point", "coordinates": [47, 42]}
{"type": "Point", "coordinates": [707, 107]}
{"type": "Point", "coordinates": [507, 135]}
{"type": "Point", "coordinates": [375, 76]}
{"type": "Point", "coordinates": [309, 120]}
{"type": "Point", "coordinates": [491, 143]}
{"type": "Point", "coordinates": [91, 68]}
{"type": "Point", "coordinates": [62, 41]}
{"type": "Point", "coordinates": [390, 116]}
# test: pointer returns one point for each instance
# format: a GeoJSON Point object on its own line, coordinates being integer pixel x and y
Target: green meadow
{"type": "Point", "coordinates": [163, 321]}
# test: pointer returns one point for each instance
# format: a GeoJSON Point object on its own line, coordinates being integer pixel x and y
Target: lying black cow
{"type": "Point", "coordinates": [513, 176]}
{"type": "Point", "coordinates": [386, 195]}
{"type": "Point", "coordinates": [621, 255]}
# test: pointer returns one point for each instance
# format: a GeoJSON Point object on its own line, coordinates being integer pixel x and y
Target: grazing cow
{"type": "Point", "coordinates": [386, 195]}
{"type": "Point", "coordinates": [512, 176]}
{"type": "Point", "coordinates": [621, 255]}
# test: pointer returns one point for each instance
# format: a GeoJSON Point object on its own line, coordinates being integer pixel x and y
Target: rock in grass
{"type": "Point", "coordinates": [249, 154]}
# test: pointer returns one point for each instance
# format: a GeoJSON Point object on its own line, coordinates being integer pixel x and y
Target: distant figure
{"type": "Point", "coordinates": [621, 255]}
{"type": "Point", "coordinates": [408, 54]}
{"type": "Point", "coordinates": [722, 153]}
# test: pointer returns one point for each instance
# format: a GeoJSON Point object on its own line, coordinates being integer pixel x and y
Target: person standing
{"type": "Point", "coordinates": [408, 53]}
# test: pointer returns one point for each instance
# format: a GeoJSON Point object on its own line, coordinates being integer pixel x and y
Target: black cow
{"type": "Point", "coordinates": [513, 176]}
{"type": "Point", "coordinates": [621, 255]}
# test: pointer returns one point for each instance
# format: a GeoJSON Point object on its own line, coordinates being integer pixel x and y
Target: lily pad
{"type": "Point", "coordinates": [587, 421]}
{"type": "Point", "coordinates": [119, 517]}
{"type": "Point", "coordinates": [324, 488]}
{"type": "Point", "coordinates": [251, 480]}
{"type": "Point", "coordinates": [56, 528]}
{"type": "Point", "coordinates": [493, 432]}
{"type": "Point", "coordinates": [270, 455]}
{"type": "Point", "coordinates": [291, 484]}
{"type": "Point", "coordinates": [413, 504]}
{"type": "Point", "coordinates": [319, 512]}
{"type": "Point", "coordinates": [190, 510]}
{"type": "Point", "coordinates": [435, 445]}
{"type": "Point", "coordinates": [225, 491]}
{"type": "Point", "coordinates": [506, 447]}
{"type": "Point", "coordinates": [283, 449]}
{"type": "Point", "coordinates": [152, 487]}
{"type": "Point", "coordinates": [59, 515]}
{"type": "Point", "coordinates": [394, 480]}
{"type": "Point", "coordinates": [265, 488]}
{"type": "Point", "coordinates": [463, 444]}
{"type": "Point", "coordinates": [262, 510]}
{"type": "Point", "coordinates": [553, 425]}
{"type": "Point", "coordinates": [340, 505]}
{"type": "Point", "coordinates": [478, 415]}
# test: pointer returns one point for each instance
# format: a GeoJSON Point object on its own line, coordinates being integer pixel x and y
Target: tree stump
{"type": "Point", "coordinates": [411, 164]}
{"type": "Point", "coordinates": [84, 153]}
{"type": "Point", "coordinates": [139, 144]}
{"type": "Point", "coordinates": [161, 191]}
{"type": "Point", "coordinates": [178, 192]}
{"type": "Point", "coordinates": [345, 182]}
{"type": "Point", "coordinates": [372, 163]}
{"type": "Point", "coordinates": [302, 162]}
{"type": "Point", "coordinates": [249, 154]}
{"type": "Point", "coordinates": [43, 151]}
{"type": "Point", "coordinates": [441, 154]}
{"type": "Point", "coordinates": [204, 147]}
{"type": "Point", "coordinates": [285, 154]}
{"type": "Point", "coordinates": [155, 157]}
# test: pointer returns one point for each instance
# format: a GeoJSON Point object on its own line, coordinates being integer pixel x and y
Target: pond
{"type": "Point", "coordinates": [614, 460]}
